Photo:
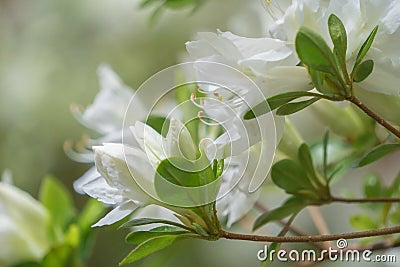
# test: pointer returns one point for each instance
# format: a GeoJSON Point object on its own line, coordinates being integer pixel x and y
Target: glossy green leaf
{"type": "Point", "coordinates": [183, 172]}
{"type": "Point", "coordinates": [139, 237]}
{"type": "Point", "coordinates": [176, 176]}
{"type": "Point", "coordinates": [290, 176]}
{"type": "Point", "coordinates": [148, 247]}
{"type": "Point", "coordinates": [313, 51]}
{"type": "Point", "coordinates": [291, 108]}
{"type": "Point", "coordinates": [338, 35]}
{"type": "Point", "coordinates": [291, 206]}
{"type": "Point", "coordinates": [318, 78]}
{"type": "Point", "coordinates": [364, 49]}
{"type": "Point", "coordinates": [377, 153]}
{"type": "Point", "coordinates": [145, 221]}
{"type": "Point", "coordinates": [275, 102]}
{"type": "Point", "coordinates": [362, 222]}
{"type": "Point", "coordinates": [363, 71]}
{"type": "Point", "coordinates": [306, 161]}
{"type": "Point", "coordinates": [56, 198]}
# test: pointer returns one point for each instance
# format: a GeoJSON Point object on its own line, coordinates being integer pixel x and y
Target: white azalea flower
{"type": "Point", "coordinates": [121, 166]}
{"type": "Point", "coordinates": [124, 167]}
{"type": "Point", "coordinates": [105, 116]}
{"type": "Point", "coordinates": [116, 186]}
{"type": "Point", "coordinates": [107, 112]}
{"type": "Point", "coordinates": [359, 18]}
{"type": "Point", "coordinates": [24, 226]}
{"type": "Point", "coordinates": [266, 60]}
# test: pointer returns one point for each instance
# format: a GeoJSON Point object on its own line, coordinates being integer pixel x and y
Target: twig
{"type": "Point", "coordinates": [312, 238]}
{"type": "Point", "coordinates": [373, 115]}
{"type": "Point", "coordinates": [365, 200]}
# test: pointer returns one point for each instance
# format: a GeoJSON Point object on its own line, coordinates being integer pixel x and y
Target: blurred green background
{"type": "Point", "coordinates": [49, 53]}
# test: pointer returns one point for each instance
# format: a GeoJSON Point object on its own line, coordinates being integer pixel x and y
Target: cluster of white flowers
{"type": "Point", "coordinates": [270, 62]}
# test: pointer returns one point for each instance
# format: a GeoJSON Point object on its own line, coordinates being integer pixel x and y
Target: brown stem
{"type": "Point", "coordinates": [375, 116]}
{"type": "Point", "coordinates": [365, 200]}
{"type": "Point", "coordinates": [312, 238]}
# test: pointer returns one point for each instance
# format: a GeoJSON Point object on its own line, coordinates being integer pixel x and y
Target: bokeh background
{"type": "Point", "coordinates": [49, 53]}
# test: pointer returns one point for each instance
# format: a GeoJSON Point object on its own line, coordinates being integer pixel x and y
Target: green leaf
{"type": "Point", "coordinates": [175, 176]}
{"type": "Point", "coordinates": [145, 221]}
{"type": "Point", "coordinates": [176, 4]}
{"type": "Point", "coordinates": [148, 247]}
{"type": "Point", "coordinates": [138, 237]}
{"type": "Point", "coordinates": [200, 230]}
{"type": "Point", "coordinates": [90, 214]}
{"type": "Point", "coordinates": [338, 35]}
{"type": "Point", "coordinates": [183, 172]}
{"type": "Point", "coordinates": [314, 52]}
{"type": "Point", "coordinates": [273, 246]}
{"type": "Point", "coordinates": [295, 107]}
{"type": "Point", "coordinates": [363, 71]}
{"type": "Point", "coordinates": [364, 49]}
{"type": "Point", "coordinates": [56, 198]}
{"type": "Point", "coordinates": [362, 222]}
{"type": "Point", "coordinates": [306, 161]}
{"type": "Point", "coordinates": [373, 187]}
{"type": "Point", "coordinates": [158, 123]}
{"type": "Point", "coordinates": [394, 187]}
{"type": "Point", "coordinates": [61, 255]}
{"type": "Point", "coordinates": [290, 176]}
{"type": "Point", "coordinates": [275, 102]}
{"type": "Point", "coordinates": [291, 206]}
{"type": "Point", "coordinates": [377, 153]}
{"type": "Point", "coordinates": [218, 167]}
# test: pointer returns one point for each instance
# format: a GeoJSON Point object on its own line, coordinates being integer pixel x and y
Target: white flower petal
{"type": "Point", "coordinates": [150, 141]}
{"type": "Point", "coordinates": [117, 214]}
{"type": "Point", "coordinates": [99, 189]}
{"type": "Point", "coordinates": [107, 112]}
{"type": "Point", "coordinates": [275, 81]}
{"type": "Point", "coordinates": [179, 142]}
{"type": "Point", "coordinates": [87, 177]}
{"type": "Point", "coordinates": [24, 223]}
{"type": "Point", "coordinates": [111, 164]}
